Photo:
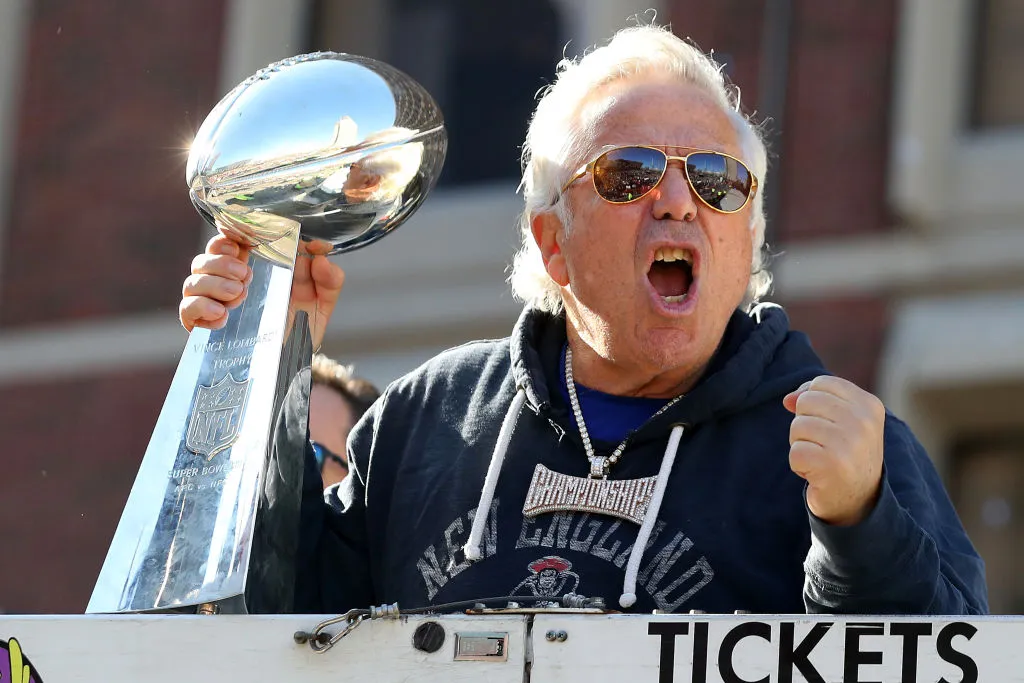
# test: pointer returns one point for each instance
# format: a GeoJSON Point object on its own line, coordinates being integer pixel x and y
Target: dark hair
{"type": "Point", "coordinates": [359, 393]}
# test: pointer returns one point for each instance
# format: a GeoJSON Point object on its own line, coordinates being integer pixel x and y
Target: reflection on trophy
{"type": "Point", "coordinates": [321, 153]}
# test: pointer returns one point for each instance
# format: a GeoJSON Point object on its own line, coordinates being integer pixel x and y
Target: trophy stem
{"type": "Point", "coordinates": [212, 518]}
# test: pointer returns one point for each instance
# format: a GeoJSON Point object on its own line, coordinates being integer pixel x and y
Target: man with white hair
{"type": "Point", "coordinates": [647, 430]}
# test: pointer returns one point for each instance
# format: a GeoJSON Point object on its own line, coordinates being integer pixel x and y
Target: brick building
{"type": "Point", "coordinates": [894, 213]}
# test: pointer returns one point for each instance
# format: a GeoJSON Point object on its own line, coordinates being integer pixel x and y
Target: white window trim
{"type": "Point", "coordinates": [904, 262]}
{"type": "Point", "coordinates": [257, 33]}
{"type": "Point", "coordinates": [941, 172]}
{"type": "Point", "coordinates": [14, 16]}
{"type": "Point", "coordinates": [949, 344]}
{"type": "Point", "coordinates": [592, 22]}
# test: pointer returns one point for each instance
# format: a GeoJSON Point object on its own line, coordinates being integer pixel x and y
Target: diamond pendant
{"type": "Point", "coordinates": [551, 491]}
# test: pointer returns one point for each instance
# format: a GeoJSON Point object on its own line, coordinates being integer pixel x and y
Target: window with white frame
{"type": "Point", "coordinates": [957, 128]}
{"type": "Point", "coordinates": [998, 99]}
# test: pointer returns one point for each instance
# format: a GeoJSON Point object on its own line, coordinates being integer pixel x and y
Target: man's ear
{"type": "Point", "coordinates": [548, 234]}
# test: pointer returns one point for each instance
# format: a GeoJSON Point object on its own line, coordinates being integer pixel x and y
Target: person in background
{"type": "Point", "coordinates": [337, 400]}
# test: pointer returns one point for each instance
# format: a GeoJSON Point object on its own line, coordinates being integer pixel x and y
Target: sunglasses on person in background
{"type": "Point", "coordinates": [626, 174]}
{"type": "Point", "coordinates": [324, 454]}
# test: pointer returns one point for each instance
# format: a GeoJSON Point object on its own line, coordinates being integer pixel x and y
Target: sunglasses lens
{"type": "Point", "coordinates": [323, 454]}
{"type": "Point", "coordinates": [721, 183]}
{"type": "Point", "coordinates": [628, 173]}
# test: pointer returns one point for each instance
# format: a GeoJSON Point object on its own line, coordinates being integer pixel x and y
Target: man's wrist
{"type": "Point", "coordinates": [855, 517]}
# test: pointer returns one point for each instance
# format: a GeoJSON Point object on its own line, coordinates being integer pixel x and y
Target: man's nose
{"type": "Point", "coordinates": [673, 199]}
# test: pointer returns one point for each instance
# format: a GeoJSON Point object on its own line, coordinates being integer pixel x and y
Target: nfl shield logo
{"type": "Point", "coordinates": [216, 414]}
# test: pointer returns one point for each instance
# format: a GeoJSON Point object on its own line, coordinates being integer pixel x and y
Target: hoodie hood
{"type": "Point", "coordinates": [725, 528]}
{"type": "Point", "coordinates": [760, 359]}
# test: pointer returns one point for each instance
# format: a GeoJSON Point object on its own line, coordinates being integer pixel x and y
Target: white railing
{"type": "Point", "coordinates": [560, 646]}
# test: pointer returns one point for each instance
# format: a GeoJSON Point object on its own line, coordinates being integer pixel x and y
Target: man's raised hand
{"type": "Point", "coordinates": [836, 445]}
{"type": "Point", "coordinates": [221, 275]}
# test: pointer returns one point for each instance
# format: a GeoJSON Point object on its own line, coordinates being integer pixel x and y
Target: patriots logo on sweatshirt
{"type": "Point", "coordinates": [551, 576]}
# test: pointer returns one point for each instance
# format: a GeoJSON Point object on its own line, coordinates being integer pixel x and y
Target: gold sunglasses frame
{"type": "Point", "coordinates": [669, 158]}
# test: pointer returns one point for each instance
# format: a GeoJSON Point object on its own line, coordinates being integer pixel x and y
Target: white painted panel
{"type": "Point", "coordinates": [630, 648]}
{"type": "Point", "coordinates": [986, 174]}
{"type": "Point", "coordinates": [643, 648]}
{"type": "Point", "coordinates": [249, 649]}
{"type": "Point", "coordinates": [953, 341]}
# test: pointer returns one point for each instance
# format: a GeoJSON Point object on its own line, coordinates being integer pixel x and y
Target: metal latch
{"type": "Point", "coordinates": [489, 646]}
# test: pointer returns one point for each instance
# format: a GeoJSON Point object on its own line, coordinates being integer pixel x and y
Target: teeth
{"type": "Point", "coordinates": [670, 254]}
{"type": "Point", "coordinates": [673, 299]}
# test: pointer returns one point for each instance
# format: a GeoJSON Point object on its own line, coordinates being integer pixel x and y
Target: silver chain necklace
{"type": "Point", "coordinates": [600, 465]}
{"type": "Point", "coordinates": [551, 491]}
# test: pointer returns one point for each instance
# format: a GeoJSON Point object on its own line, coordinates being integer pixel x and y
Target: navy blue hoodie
{"type": "Point", "coordinates": [733, 532]}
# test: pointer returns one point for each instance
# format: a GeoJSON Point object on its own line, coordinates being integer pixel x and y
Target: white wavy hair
{"type": "Point", "coordinates": [557, 141]}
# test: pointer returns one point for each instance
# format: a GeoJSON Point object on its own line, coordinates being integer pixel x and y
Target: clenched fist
{"type": "Point", "coordinates": [221, 276]}
{"type": "Point", "coordinates": [836, 445]}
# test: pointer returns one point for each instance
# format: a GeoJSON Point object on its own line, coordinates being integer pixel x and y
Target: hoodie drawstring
{"type": "Point", "coordinates": [628, 597]}
{"type": "Point", "coordinates": [472, 548]}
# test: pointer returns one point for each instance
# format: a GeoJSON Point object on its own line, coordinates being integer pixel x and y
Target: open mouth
{"type": "Point", "coordinates": [671, 273]}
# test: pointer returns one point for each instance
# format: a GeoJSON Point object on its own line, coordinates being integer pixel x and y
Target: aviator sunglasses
{"type": "Point", "coordinates": [629, 173]}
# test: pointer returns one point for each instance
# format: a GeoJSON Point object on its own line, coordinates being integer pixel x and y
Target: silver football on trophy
{"type": "Point", "coordinates": [341, 146]}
